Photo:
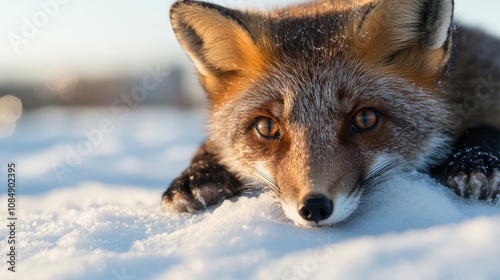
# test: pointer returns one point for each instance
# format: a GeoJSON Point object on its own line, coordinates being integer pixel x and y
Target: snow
{"type": "Point", "coordinates": [103, 219]}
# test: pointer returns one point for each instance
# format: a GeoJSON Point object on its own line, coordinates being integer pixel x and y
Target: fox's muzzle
{"type": "Point", "coordinates": [315, 208]}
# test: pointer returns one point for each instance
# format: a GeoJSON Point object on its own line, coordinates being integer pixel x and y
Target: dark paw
{"type": "Point", "coordinates": [202, 184]}
{"type": "Point", "coordinates": [473, 173]}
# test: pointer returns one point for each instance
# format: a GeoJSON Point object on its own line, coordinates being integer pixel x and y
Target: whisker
{"type": "Point", "coordinates": [275, 207]}
{"type": "Point", "coordinates": [375, 177]}
{"type": "Point", "coordinates": [268, 181]}
{"type": "Point", "coordinates": [247, 188]}
{"type": "Point", "coordinates": [265, 182]}
{"type": "Point", "coordinates": [283, 218]}
{"type": "Point", "coordinates": [266, 177]}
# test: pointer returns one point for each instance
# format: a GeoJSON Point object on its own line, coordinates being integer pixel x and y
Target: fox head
{"type": "Point", "coordinates": [321, 101]}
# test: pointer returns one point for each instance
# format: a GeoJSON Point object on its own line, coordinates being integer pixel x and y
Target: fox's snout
{"type": "Point", "coordinates": [315, 208]}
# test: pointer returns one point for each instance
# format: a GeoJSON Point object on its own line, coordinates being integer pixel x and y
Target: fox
{"type": "Point", "coordinates": [322, 102]}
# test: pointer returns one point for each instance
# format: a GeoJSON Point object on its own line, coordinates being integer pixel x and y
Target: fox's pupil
{"type": "Point", "coordinates": [267, 128]}
{"type": "Point", "coordinates": [365, 119]}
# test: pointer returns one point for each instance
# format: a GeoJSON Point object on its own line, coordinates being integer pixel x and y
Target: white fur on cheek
{"type": "Point", "coordinates": [436, 150]}
{"type": "Point", "coordinates": [292, 213]}
{"type": "Point", "coordinates": [343, 207]}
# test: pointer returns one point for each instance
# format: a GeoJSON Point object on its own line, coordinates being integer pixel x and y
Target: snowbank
{"type": "Point", "coordinates": [103, 220]}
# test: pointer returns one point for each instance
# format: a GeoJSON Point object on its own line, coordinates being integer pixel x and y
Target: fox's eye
{"type": "Point", "coordinates": [267, 128]}
{"type": "Point", "coordinates": [365, 120]}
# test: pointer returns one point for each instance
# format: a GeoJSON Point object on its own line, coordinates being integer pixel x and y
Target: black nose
{"type": "Point", "coordinates": [316, 208]}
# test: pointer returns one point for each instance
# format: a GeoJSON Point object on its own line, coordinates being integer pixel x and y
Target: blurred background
{"type": "Point", "coordinates": [65, 65]}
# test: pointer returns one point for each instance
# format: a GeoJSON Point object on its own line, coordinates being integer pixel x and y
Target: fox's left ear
{"type": "Point", "coordinates": [412, 36]}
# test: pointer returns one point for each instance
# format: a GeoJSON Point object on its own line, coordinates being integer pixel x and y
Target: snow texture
{"type": "Point", "coordinates": [102, 220]}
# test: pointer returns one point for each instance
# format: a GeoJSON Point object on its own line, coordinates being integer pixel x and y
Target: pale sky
{"type": "Point", "coordinates": [97, 37]}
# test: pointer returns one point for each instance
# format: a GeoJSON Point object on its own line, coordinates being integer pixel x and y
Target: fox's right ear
{"type": "Point", "coordinates": [413, 37]}
{"type": "Point", "coordinates": [217, 42]}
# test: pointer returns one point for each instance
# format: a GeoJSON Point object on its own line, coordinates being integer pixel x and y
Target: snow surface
{"type": "Point", "coordinates": [103, 220]}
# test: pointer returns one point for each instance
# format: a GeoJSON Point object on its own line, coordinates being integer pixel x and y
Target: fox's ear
{"type": "Point", "coordinates": [217, 42]}
{"type": "Point", "coordinates": [412, 35]}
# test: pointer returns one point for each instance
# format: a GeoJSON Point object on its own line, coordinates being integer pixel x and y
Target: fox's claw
{"type": "Point", "coordinates": [474, 174]}
{"type": "Point", "coordinates": [204, 183]}
{"type": "Point", "coordinates": [473, 169]}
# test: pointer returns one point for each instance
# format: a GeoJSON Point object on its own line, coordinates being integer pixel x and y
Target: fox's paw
{"type": "Point", "coordinates": [473, 173]}
{"type": "Point", "coordinates": [204, 183]}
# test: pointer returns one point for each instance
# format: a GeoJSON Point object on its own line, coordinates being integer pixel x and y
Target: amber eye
{"type": "Point", "coordinates": [365, 120]}
{"type": "Point", "coordinates": [267, 128]}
